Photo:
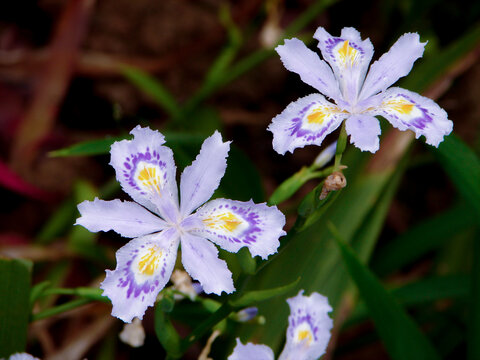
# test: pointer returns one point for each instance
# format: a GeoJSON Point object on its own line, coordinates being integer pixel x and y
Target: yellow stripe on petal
{"type": "Point", "coordinates": [149, 262]}
{"type": "Point", "coordinates": [226, 221]}
{"type": "Point", "coordinates": [149, 177]}
{"type": "Point", "coordinates": [347, 54]}
{"type": "Point", "coordinates": [401, 106]}
{"type": "Point", "coordinates": [305, 334]}
{"type": "Point", "coordinates": [320, 114]}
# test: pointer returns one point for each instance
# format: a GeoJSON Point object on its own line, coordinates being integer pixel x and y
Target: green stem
{"type": "Point", "coordinates": [341, 145]}
{"type": "Point", "coordinates": [223, 312]}
{"type": "Point", "coordinates": [59, 309]}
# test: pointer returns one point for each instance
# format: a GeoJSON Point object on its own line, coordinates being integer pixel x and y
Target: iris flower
{"type": "Point", "coordinates": [354, 95]}
{"type": "Point", "coordinates": [308, 332]}
{"type": "Point", "coordinates": [158, 221]}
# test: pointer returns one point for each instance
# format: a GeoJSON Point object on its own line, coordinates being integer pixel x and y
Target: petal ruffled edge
{"type": "Point", "coordinates": [145, 168]}
{"type": "Point", "coordinates": [251, 351]}
{"type": "Point", "coordinates": [124, 217]}
{"type": "Point", "coordinates": [309, 327]}
{"type": "Point", "coordinates": [202, 177]}
{"type": "Point", "coordinates": [298, 58]}
{"type": "Point", "coordinates": [393, 65]}
{"type": "Point", "coordinates": [306, 121]}
{"type": "Point", "coordinates": [144, 266]}
{"type": "Point", "coordinates": [234, 224]}
{"type": "Point", "coordinates": [200, 259]}
{"type": "Point", "coordinates": [405, 109]}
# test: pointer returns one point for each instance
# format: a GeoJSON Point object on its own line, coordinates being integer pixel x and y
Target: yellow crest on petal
{"type": "Point", "coordinates": [347, 54]}
{"type": "Point", "coordinates": [149, 262]}
{"type": "Point", "coordinates": [149, 177]}
{"type": "Point", "coordinates": [224, 221]}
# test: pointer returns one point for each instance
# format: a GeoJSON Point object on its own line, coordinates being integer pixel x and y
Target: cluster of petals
{"type": "Point", "coordinates": [308, 332]}
{"type": "Point", "coordinates": [160, 220]}
{"type": "Point", "coordinates": [355, 96]}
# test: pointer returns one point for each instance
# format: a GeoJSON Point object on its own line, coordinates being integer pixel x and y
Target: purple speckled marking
{"type": "Point", "coordinates": [301, 317]}
{"type": "Point", "coordinates": [131, 166]}
{"type": "Point", "coordinates": [418, 122]}
{"type": "Point", "coordinates": [332, 42]}
{"type": "Point", "coordinates": [296, 128]}
{"type": "Point", "coordinates": [128, 279]}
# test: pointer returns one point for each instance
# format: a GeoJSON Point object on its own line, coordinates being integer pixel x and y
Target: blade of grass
{"type": "Point", "coordinates": [14, 305]}
{"type": "Point", "coordinates": [401, 336]}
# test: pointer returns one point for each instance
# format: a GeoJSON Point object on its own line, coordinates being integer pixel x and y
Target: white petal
{"type": "Point", "coordinates": [201, 179]}
{"type": "Point", "coordinates": [408, 110]}
{"type": "Point", "coordinates": [298, 58]}
{"type": "Point", "coordinates": [145, 168]}
{"type": "Point", "coordinates": [306, 121]}
{"type": "Point", "coordinates": [144, 266]}
{"type": "Point", "coordinates": [200, 260]}
{"type": "Point", "coordinates": [124, 217]}
{"type": "Point", "coordinates": [393, 65]}
{"type": "Point", "coordinates": [251, 351]}
{"type": "Point", "coordinates": [235, 224]}
{"type": "Point", "coordinates": [309, 327]}
{"type": "Point", "coordinates": [349, 57]}
{"type": "Point", "coordinates": [364, 131]}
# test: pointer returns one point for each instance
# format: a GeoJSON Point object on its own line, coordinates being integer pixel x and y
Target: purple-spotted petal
{"type": "Point", "coordinates": [251, 352]}
{"type": "Point", "coordinates": [235, 224]}
{"type": "Point", "coordinates": [349, 57]}
{"type": "Point", "coordinates": [124, 217]}
{"type": "Point", "coordinates": [313, 71]}
{"type": "Point", "coordinates": [144, 266]}
{"type": "Point", "coordinates": [200, 260]}
{"type": "Point", "coordinates": [145, 168]}
{"type": "Point", "coordinates": [306, 121]}
{"type": "Point", "coordinates": [364, 131]}
{"type": "Point", "coordinates": [201, 179]}
{"type": "Point", "coordinates": [408, 110]}
{"type": "Point", "coordinates": [309, 327]}
{"type": "Point", "coordinates": [393, 65]}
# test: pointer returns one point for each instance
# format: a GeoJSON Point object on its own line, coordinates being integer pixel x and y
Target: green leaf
{"type": "Point", "coordinates": [166, 333]}
{"type": "Point", "coordinates": [153, 88]}
{"type": "Point", "coordinates": [421, 239]}
{"type": "Point", "coordinates": [401, 336]}
{"type": "Point", "coordinates": [463, 167]}
{"type": "Point", "coordinates": [421, 292]}
{"type": "Point", "coordinates": [253, 297]}
{"type": "Point", "coordinates": [474, 323]}
{"type": "Point", "coordinates": [432, 68]}
{"type": "Point", "coordinates": [88, 148]}
{"type": "Point", "coordinates": [14, 305]}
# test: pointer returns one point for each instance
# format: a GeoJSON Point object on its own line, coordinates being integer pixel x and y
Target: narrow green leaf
{"type": "Point", "coordinates": [432, 68]}
{"type": "Point", "coordinates": [14, 305]}
{"type": "Point", "coordinates": [421, 292]}
{"type": "Point", "coordinates": [423, 238]}
{"type": "Point", "coordinates": [463, 167]}
{"type": "Point", "coordinates": [474, 324]}
{"type": "Point", "coordinates": [153, 88]}
{"type": "Point", "coordinates": [88, 148]}
{"type": "Point", "coordinates": [166, 333]}
{"type": "Point", "coordinates": [253, 297]}
{"type": "Point", "coordinates": [401, 336]}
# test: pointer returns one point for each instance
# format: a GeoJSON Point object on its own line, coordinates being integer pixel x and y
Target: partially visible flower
{"type": "Point", "coordinates": [22, 356]}
{"type": "Point", "coordinates": [246, 314]}
{"type": "Point", "coordinates": [159, 221]}
{"type": "Point", "coordinates": [133, 334]}
{"type": "Point", "coordinates": [308, 332]}
{"type": "Point", "coordinates": [357, 97]}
